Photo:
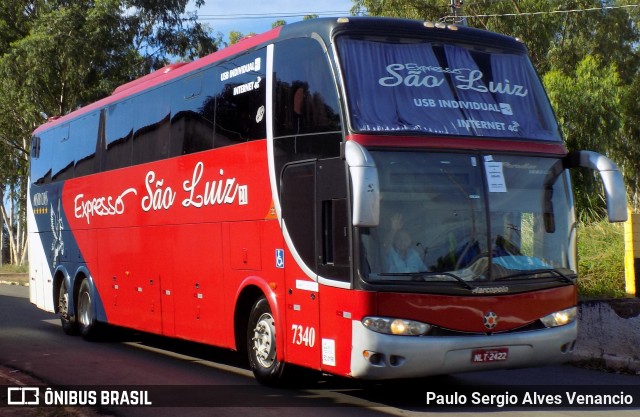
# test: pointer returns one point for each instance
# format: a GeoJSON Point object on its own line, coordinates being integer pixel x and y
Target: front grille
{"type": "Point", "coordinates": [440, 331]}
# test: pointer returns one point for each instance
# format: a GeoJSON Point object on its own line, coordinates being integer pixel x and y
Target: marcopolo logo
{"type": "Point", "coordinates": [490, 290]}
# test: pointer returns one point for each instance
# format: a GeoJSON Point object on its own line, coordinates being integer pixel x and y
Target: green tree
{"type": "Point", "coordinates": [587, 103]}
{"type": "Point", "coordinates": [235, 37]}
{"type": "Point", "coordinates": [554, 31]}
{"type": "Point", "coordinates": [57, 55]}
{"type": "Point", "coordinates": [628, 140]}
{"type": "Point", "coordinates": [160, 30]}
{"type": "Point", "coordinates": [586, 51]}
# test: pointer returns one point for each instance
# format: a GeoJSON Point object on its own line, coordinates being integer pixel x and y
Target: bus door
{"type": "Point", "coordinates": [334, 264]}
{"type": "Point", "coordinates": [315, 213]}
{"type": "Point", "coordinates": [298, 202]}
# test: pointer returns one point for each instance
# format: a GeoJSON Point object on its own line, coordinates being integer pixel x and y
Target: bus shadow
{"type": "Point", "coordinates": [304, 388]}
{"type": "Point", "coordinates": [193, 350]}
{"type": "Point", "coordinates": [307, 388]}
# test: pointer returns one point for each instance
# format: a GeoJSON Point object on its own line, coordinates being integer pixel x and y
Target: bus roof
{"type": "Point", "coordinates": [397, 26]}
{"type": "Point", "coordinates": [325, 27]}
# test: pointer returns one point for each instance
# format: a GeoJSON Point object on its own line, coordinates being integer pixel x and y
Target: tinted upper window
{"type": "Point", "coordinates": [305, 93]}
{"type": "Point", "coordinates": [192, 109]}
{"type": "Point", "coordinates": [84, 136]}
{"type": "Point", "coordinates": [152, 126]}
{"type": "Point", "coordinates": [119, 135]}
{"type": "Point", "coordinates": [41, 154]}
{"type": "Point", "coordinates": [413, 85]}
{"type": "Point", "coordinates": [240, 99]}
{"type": "Point", "coordinates": [63, 153]}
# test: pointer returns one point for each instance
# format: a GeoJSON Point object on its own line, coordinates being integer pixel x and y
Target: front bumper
{"type": "Point", "coordinates": [391, 357]}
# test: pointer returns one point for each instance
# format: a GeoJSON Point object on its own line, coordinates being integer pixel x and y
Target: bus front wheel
{"type": "Point", "coordinates": [261, 345]}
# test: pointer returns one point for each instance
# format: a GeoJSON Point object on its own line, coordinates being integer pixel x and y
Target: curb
{"type": "Point", "coordinates": [14, 279]}
{"type": "Point", "coordinates": [609, 334]}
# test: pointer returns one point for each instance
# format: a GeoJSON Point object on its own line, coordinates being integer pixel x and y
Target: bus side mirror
{"type": "Point", "coordinates": [614, 188]}
{"type": "Point", "coordinates": [364, 184]}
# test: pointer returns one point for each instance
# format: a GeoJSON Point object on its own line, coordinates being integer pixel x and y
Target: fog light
{"type": "Point", "coordinates": [395, 360]}
{"type": "Point", "coordinates": [374, 358]}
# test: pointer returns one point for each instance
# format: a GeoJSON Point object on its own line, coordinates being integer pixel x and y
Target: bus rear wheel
{"type": "Point", "coordinates": [69, 323]}
{"type": "Point", "coordinates": [261, 345]}
{"type": "Point", "coordinates": [86, 317]}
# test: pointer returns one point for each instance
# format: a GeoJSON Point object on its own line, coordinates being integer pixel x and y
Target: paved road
{"type": "Point", "coordinates": [33, 349]}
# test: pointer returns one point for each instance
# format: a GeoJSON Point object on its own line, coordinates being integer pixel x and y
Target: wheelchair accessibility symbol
{"type": "Point", "coordinates": [279, 258]}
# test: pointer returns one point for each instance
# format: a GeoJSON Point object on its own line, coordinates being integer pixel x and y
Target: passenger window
{"type": "Point", "coordinates": [192, 114]}
{"type": "Point", "coordinates": [305, 91]}
{"type": "Point", "coordinates": [119, 135]}
{"type": "Point", "coordinates": [152, 126]}
{"type": "Point", "coordinates": [84, 136]}
{"type": "Point", "coordinates": [63, 155]}
{"type": "Point", "coordinates": [240, 99]}
{"type": "Point", "coordinates": [41, 167]}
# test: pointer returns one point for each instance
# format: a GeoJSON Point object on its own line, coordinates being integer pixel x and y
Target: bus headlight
{"type": "Point", "coordinates": [560, 318]}
{"type": "Point", "coordinates": [396, 326]}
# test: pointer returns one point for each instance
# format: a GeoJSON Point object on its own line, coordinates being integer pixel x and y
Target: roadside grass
{"type": "Point", "coordinates": [14, 269]}
{"type": "Point", "coordinates": [601, 260]}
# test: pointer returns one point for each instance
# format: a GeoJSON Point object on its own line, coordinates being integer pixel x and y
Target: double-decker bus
{"type": "Point", "coordinates": [371, 198]}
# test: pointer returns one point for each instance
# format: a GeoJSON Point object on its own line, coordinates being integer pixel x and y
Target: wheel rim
{"type": "Point", "coordinates": [85, 314]}
{"type": "Point", "coordinates": [264, 342]}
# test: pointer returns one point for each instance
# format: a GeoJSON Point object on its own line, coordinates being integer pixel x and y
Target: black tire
{"type": "Point", "coordinates": [261, 345]}
{"type": "Point", "coordinates": [69, 323]}
{"type": "Point", "coordinates": [85, 312]}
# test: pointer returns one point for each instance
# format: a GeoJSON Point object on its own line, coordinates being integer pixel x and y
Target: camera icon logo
{"type": "Point", "coordinates": [23, 396]}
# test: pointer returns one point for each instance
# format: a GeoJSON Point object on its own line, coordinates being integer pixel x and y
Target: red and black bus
{"type": "Point", "coordinates": [372, 198]}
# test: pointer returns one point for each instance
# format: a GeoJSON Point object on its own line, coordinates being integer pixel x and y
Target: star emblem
{"type": "Point", "coordinates": [490, 320]}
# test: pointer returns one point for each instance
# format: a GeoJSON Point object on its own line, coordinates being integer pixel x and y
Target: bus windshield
{"type": "Point", "coordinates": [470, 218]}
{"type": "Point", "coordinates": [420, 86]}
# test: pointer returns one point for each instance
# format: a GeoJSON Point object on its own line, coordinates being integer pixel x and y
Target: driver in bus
{"type": "Point", "coordinates": [401, 256]}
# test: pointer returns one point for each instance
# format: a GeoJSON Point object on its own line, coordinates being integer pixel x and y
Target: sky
{"type": "Point", "coordinates": [257, 15]}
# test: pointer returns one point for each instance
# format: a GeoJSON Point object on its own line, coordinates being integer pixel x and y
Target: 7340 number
{"type": "Point", "coordinates": [303, 335]}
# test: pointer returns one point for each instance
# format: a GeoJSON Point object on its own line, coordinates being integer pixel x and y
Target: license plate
{"type": "Point", "coordinates": [489, 355]}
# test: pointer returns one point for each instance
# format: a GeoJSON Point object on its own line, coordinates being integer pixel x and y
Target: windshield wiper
{"type": "Point", "coordinates": [419, 276]}
{"type": "Point", "coordinates": [557, 274]}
